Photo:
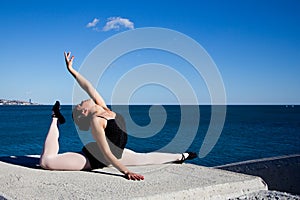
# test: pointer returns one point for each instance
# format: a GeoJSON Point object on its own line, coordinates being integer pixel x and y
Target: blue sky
{"type": "Point", "coordinates": [255, 44]}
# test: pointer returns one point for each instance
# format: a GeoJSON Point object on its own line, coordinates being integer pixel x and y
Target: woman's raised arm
{"type": "Point", "coordinates": [83, 82]}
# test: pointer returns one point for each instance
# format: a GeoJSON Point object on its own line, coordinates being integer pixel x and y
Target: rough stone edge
{"type": "Point", "coordinates": [268, 195]}
{"type": "Point", "coordinates": [257, 160]}
{"type": "Point", "coordinates": [214, 192]}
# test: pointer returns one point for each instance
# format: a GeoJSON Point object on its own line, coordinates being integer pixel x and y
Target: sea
{"type": "Point", "coordinates": [249, 131]}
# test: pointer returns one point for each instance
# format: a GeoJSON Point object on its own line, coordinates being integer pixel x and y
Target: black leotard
{"type": "Point", "coordinates": [116, 135]}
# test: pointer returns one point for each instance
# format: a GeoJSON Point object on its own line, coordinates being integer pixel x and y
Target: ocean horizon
{"type": "Point", "coordinates": [249, 132]}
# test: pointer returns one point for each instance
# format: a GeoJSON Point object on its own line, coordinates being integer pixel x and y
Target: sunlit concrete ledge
{"type": "Point", "coordinates": [21, 178]}
{"type": "Point", "coordinates": [281, 173]}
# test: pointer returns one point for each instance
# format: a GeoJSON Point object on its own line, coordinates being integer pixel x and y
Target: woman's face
{"type": "Point", "coordinates": [85, 106]}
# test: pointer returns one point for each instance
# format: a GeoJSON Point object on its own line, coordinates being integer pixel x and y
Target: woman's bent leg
{"type": "Point", "coordinates": [50, 159]}
{"type": "Point", "coordinates": [132, 158]}
{"type": "Point", "coordinates": [66, 161]}
{"type": "Point", "coordinates": [51, 145]}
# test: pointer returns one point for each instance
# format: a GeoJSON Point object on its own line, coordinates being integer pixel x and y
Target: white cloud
{"type": "Point", "coordinates": [93, 23]}
{"type": "Point", "coordinates": [115, 23]}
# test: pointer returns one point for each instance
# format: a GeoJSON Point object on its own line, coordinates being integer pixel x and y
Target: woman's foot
{"type": "Point", "coordinates": [186, 156]}
{"type": "Point", "coordinates": [56, 113]}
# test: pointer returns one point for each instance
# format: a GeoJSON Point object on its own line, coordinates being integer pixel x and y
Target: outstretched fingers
{"type": "Point", "coordinates": [67, 56]}
{"type": "Point", "coordinates": [69, 61]}
{"type": "Point", "coordinates": [134, 177]}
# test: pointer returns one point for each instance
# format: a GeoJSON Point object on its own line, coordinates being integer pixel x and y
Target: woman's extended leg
{"type": "Point", "coordinates": [50, 159]}
{"type": "Point", "coordinates": [132, 158]}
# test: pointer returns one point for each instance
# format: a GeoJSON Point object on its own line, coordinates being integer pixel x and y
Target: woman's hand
{"type": "Point", "coordinates": [133, 176]}
{"type": "Point", "coordinates": [69, 61]}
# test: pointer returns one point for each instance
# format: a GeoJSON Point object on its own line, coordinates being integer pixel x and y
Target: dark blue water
{"type": "Point", "coordinates": [250, 132]}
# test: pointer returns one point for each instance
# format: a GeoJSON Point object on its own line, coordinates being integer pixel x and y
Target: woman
{"type": "Point", "coordinates": [108, 129]}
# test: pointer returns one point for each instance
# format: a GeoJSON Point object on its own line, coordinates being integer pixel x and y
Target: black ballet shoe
{"type": "Point", "coordinates": [191, 156]}
{"type": "Point", "coordinates": [57, 114]}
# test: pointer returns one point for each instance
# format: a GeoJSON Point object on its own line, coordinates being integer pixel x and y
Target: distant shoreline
{"type": "Point", "coordinates": [5, 102]}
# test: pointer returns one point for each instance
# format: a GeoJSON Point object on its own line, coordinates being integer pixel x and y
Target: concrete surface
{"type": "Point", "coordinates": [268, 195]}
{"type": "Point", "coordinates": [280, 173]}
{"type": "Point", "coordinates": [22, 179]}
